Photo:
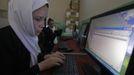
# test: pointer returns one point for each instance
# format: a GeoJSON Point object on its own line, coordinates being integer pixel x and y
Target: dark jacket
{"type": "Point", "coordinates": [46, 39]}
{"type": "Point", "coordinates": [14, 57]}
{"type": "Point", "coordinates": [49, 38]}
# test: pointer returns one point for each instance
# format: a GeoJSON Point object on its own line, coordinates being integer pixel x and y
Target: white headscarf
{"type": "Point", "coordinates": [21, 20]}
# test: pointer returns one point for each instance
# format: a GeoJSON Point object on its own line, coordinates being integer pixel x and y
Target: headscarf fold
{"type": "Point", "coordinates": [21, 20]}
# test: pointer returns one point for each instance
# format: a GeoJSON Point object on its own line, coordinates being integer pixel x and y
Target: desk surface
{"type": "Point", "coordinates": [80, 58]}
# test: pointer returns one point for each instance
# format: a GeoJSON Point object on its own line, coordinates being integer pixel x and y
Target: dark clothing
{"type": "Point", "coordinates": [49, 38]}
{"type": "Point", "coordinates": [14, 57]}
{"type": "Point", "coordinates": [46, 39]}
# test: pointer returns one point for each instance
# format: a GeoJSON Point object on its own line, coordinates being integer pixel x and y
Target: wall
{"type": "Point", "coordinates": [89, 8]}
{"type": "Point", "coordinates": [3, 13]}
{"type": "Point", "coordinates": [3, 22]}
{"type": "Point", "coordinates": [57, 9]}
{"type": "Point", "coordinates": [3, 4]}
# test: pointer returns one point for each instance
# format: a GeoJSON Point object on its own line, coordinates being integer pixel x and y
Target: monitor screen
{"type": "Point", "coordinates": [110, 39]}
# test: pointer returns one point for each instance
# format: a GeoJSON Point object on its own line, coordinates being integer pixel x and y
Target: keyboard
{"type": "Point", "coordinates": [69, 67]}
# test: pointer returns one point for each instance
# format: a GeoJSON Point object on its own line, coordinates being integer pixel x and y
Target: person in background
{"type": "Point", "coordinates": [50, 34]}
{"type": "Point", "coordinates": [20, 53]}
{"type": "Point", "coordinates": [50, 24]}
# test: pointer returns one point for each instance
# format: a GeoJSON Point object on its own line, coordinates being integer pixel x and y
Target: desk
{"type": "Point", "coordinates": [78, 57]}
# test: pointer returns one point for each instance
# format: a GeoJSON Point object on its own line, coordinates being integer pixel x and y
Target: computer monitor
{"type": "Point", "coordinates": [82, 34]}
{"type": "Point", "coordinates": [111, 39]}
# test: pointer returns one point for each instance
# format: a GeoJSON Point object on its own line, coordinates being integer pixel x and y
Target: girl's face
{"type": "Point", "coordinates": [38, 18]}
